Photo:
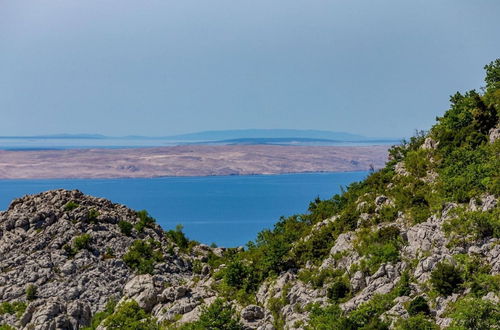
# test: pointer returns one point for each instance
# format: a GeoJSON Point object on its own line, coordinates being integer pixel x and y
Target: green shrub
{"type": "Point", "coordinates": [446, 278]}
{"type": "Point", "coordinates": [178, 237]}
{"type": "Point", "coordinates": [82, 242]}
{"type": "Point", "coordinates": [381, 246]}
{"type": "Point", "coordinates": [330, 317]}
{"type": "Point", "coordinates": [92, 215]}
{"type": "Point", "coordinates": [418, 306]}
{"type": "Point", "coordinates": [15, 308]}
{"type": "Point", "coordinates": [404, 288]}
{"type": "Point", "coordinates": [142, 256]}
{"type": "Point", "coordinates": [417, 322]}
{"type": "Point", "coordinates": [417, 162]}
{"type": "Point", "coordinates": [6, 327]}
{"type": "Point", "coordinates": [478, 223]}
{"type": "Point", "coordinates": [220, 315]}
{"type": "Point", "coordinates": [236, 274]}
{"type": "Point", "coordinates": [125, 227]}
{"type": "Point", "coordinates": [31, 292]}
{"type": "Point", "coordinates": [475, 313]}
{"type": "Point", "coordinates": [338, 290]}
{"type": "Point", "coordinates": [145, 220]}
{"type": "Point", "coordinates": [98, 317]}
{"type": "Point", "coordinates": [388, 214]}
{"type": "Point", "coordinates": [71, 205]}
{"type": "Point", "coordinates": [129, 316]}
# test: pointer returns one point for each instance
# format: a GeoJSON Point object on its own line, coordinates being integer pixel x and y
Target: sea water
{"type": "Point", "coordinates": [226, 210]}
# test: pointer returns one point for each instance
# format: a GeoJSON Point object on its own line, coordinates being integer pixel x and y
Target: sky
{"type": "Point", "coordinates": [121, 67]}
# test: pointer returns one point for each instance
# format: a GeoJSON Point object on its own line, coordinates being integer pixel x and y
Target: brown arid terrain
{"type": "Point", "coordinates": [195, 160]}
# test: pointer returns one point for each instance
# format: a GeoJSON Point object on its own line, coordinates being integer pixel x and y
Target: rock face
{"type": "Point", "coordinates": [37, 234]}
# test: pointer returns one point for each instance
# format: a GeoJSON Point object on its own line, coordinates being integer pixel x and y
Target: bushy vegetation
{"type": "Point", "coordinates": [145, 220]}
{"type": "Point", "coordinates": [417, 322]}
{"type": "Point", "coordinates": [79, 243]}
{"type": "Point", "coordinates": [446, 278]}
{"type": "Point", "coordinates": [129, 316]}
{"type": "Point", "coordinates": [381, 246]}
{"type": "Point", "coordinates": [31, 292]}
{"type": "Point", "coordinates": [474, 313]}
{"type": "Point", "coordinates": [178, 237]}
{"type": "Point", "coordinates": [366, 316]}
{"type": "Point", "coordinates": [474, 224]}
{"type": "Point", "coordinates": [142, 256]}
{"type": "Point", "coordinates": [220, 315]}
{"type": "Point", "coordinates": [15, 308]}
{"type": "Point", "coordinates": [92, 215]}
{"type": "Point", "coordinates": [82, 242]}
{"type": "Point", "coordinates": [338, 290]}
{"type": "Point", "coordinates": [418, 306]}
{"type": "Point", "coordinates": [6, 327]}
{"type": "Point", "coordinates": [71, 205]}
{"type": "Point", "coordinates": [125, 227]}
{"type": "Point", "coordinates": [98, 317]}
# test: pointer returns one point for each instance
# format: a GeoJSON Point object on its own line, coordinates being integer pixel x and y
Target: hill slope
{"type": "Point", "coordinates": [414, 246]}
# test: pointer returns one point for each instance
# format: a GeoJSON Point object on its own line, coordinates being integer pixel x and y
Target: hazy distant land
{"type": "Point", "coordinates": [188, 160]}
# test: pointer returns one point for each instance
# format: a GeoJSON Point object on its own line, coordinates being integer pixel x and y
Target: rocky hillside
{"type": "Point", "coordinates": [416, 245]}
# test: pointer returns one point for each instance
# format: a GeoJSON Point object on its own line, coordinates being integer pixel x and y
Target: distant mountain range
{"type": "Point", "coordinates": [245, 136]}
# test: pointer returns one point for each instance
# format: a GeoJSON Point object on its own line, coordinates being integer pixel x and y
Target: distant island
{"type": "Point", "coordinates": [220, 136]}
{"type": "Point", "coordinates": [188, 160]}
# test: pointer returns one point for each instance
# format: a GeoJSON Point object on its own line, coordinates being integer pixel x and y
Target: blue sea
{"type": "Point", "coordinates": [226, 210]}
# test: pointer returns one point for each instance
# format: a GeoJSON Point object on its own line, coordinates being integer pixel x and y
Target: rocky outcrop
{"type": "Point", "coordinates": [37, 250]}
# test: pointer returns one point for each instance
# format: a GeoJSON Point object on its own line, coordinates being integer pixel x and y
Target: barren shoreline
{"type": "Point", "coordinates": [193, 160]}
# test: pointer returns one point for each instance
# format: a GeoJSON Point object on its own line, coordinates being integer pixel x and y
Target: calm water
{"type": "Point", "coordinates": [227, 210]}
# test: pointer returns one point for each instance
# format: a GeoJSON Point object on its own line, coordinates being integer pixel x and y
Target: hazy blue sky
{"type": "Point", "coordinates": [379, 68]}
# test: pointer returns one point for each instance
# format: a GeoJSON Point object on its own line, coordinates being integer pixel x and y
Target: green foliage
{"type": "Point", "coordinates": [417, 322]}
{"type": "Point", "coordinates": [142, 256]}
{"type": "Point", "coordinates": [417, 162]}
{"type": "Point", "coordinates": [338, 290]}
{"type": "Point", "coordinates": [237, 275]}
{"type": "Point", "coordinates": [418, 306]}
{"type": "Point", "coordinates": [71, 205]}
{"type": "Point", "coordinates": [125, 227]}
{"type": "Point", "coordinates": [98, 317]}
{"type": "Point", "coordinates": [82, 242]}
{"type": "Point", "coordinates": [330, 317]}
{"type": "Point", "coordinates": [178, 237]}
{"type": "Point", "coordinates": [469, 171]}
{"type": "Point", "coordinates": [220, 315]}
{"type": "Point", "coordinates": [129, 316]}
{"type": "Point", "coordinates": [492, 78]}
{"type": "Point", "coordinates": [474, 313]}
{"type": "Point", "coordinates": [381, 246]}
{"type": "Point", "coordinates": [6, 327]}
{"type": "Point", "coordinates": [145, 220]}
{"type": "Point", "coordinates": [15, 308]}
{"type": "Point", "coordinates": [366, 316]}
{"type": "Point", "coordinates": [475, 224]}
{"type": "Point", "coordinates": [476, 275]}
{"type": "Point", "coordinates": [31, 292]}
{"type": "Point", "coordinates": [404, 288]}
{"type": "Point", "coordinates": [446, 278]}
{"type": "Point", "coordinates": [92, 215]}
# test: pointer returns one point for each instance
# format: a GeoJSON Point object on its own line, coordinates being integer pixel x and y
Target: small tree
{"type": "Point", "coordinates": [446, 278]}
